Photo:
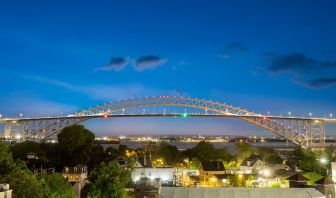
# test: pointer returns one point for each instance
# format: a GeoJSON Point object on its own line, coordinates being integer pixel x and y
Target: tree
{"type": "Point", "coordinates": [269, 155]}
{"type": "Point", "coordinates": [54, 186]}
{"type": "Point", "coordinates": [170, 154]}
{"type": "Point", "coordinates": [20, 179]}
{"type": "Point", "coordinates": [75, 145]}
{"type": "Point", "coordinates": [194, 163]}
{"type": "Point", "coordinates": [307, 160]}
{"type": "Point", "coordinates": [108, 180]}
{"type": "Point", "coordinates": [203, 151]}
{"type": "Point", "coordinates": [223, 154]}
{"type": "Point", "coordinates": [244, 151]}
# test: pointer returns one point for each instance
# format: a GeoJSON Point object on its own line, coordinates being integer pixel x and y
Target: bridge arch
{"type": "Point", "coordinates": [298, 131]}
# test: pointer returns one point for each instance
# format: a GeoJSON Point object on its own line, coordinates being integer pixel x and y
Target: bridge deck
{"type": "Point", "coordinates": [4, 120]}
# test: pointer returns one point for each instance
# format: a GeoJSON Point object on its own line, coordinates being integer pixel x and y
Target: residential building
{"type": "Point", "coordinates": [326, 186]}
{"type": "Point", "coordinates": [212, 173]}
{"type": "Point", "coordinates": [253, 164]}
{"type": "Point", "coordinates": [5, 192]}
{"type": "Point", "coordinates": [77, 175]}
{"type": "Point", "coordinates": [144, 169]}
{"type": "Point", "coordinates": [297, 181]}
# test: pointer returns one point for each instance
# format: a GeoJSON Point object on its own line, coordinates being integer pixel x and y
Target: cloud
{"type": "Point", "coordinates": [231, 48]}
{"type": "Point", "coordinates": [115, 64]}
{"type": "Point", "coordinates": [109, 92]}
{"type": "Point", "coordinates": [296, 63]}
{"type": "Point", "coordinates": [317, 83]}
{"type": "Point", "coordinates": [148, 62]}
{"type": "Point", "coordinates": [305, 71]}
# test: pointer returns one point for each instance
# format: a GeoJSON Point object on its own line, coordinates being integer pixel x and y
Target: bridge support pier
{"type": "Point", "coordinates": [315, 134]}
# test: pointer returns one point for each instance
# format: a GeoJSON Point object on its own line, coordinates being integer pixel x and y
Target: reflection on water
{"type": "Point", "coordinates": [187, 145]}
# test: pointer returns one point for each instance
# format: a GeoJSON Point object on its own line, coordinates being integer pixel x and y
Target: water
{"type": "Point", "coordinates": [188, 145]}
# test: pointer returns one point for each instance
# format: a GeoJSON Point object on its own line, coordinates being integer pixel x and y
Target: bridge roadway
{"type": "Point", "coordinates": [268, 117]}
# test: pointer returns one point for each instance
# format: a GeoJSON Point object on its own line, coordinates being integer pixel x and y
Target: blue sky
{"type": "Point", "coordinates": [64, 56]}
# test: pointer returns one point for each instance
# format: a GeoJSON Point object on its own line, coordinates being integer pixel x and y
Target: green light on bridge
{"type": "Point", "coordinates": [185, 115]}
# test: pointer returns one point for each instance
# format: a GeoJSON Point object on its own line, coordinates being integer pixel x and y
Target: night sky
{"type": "Point", "coordinates": [61, 57]}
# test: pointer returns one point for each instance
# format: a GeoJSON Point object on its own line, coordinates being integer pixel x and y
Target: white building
{"type": "Point", "coordinates": [5, 192]}
{"type": "Point", "coordinates": [230, 192]}
{"type": "Point", "coordinates": [333, 171]}
{"type": "Point", "coordinates": [143, 169]}
{"type": "Point", "coordinates": [166, 174]}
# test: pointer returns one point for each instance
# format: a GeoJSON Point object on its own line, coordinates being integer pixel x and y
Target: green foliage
{"type": "Point", "coordinates": [205, 151]}
{"type": "Point", "coordinates": [169, 153]}
{"type": "Point", "coordinates": [237, 180]}
{"type": "Point", "coordinates": [313, 177]}
{"type": "Point", "coordinates": [23, 183]}
{"type": "Point", "coordinates": [244, 151]}
{"type": "Point", "coordinates": [194, 163]}
{"type": "Point", "coordinates": [45, 153]}
{"type": "Point", "coordinates": [20, 179]}
{"type": "Point", "coordinates": [307, 160]}
{"type": "Point", "coordinates": [108, 180]}
{"type": "Point", "coordinates": [54, 186]}
{"type": "Point", "coordinates": [6, 160]}
{"type": "Point", "coordinates": [269, 155]}
{"type": "Point", "coordinates": [75, 145]}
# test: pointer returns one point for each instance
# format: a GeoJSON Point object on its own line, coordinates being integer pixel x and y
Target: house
{"type": "Point", "coordinates": [32, 156]}
{"type": "Point", "coordinates": [5, 192]}
{"type": "Point", "coordinates": [144, 169]}
{"type": "Point", "coordinates": [252, 164]}
{"type": "Point", "coordinates": [212, 173]}
{"type": "Point", "coordinates": [326, 186]}
{"type": "Point", "coordinates": [77, 175]}
{"type": "Point", "coordinates": [297, 181]}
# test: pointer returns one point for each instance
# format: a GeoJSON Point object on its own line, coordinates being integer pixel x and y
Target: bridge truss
{"type": "Point", "coordinates": [306, 132]}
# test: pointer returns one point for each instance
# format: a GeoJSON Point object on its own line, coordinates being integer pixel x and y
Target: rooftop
{"type": "Point", "coordinates": [182, 192]}
{"type": "Point", "coordinates": [212, 166]}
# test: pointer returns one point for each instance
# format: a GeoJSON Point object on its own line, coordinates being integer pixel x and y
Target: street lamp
{"type": "Point", "coordinates": [310, 114]}
{"type": "Point", "coordinates": [289, 114]}
{"type": "Point", "coordinates": [331, 115]}
{"type": "Point", "coordinates": [266, 172]}
{"type": "Point", "coordinates": [323, 160]}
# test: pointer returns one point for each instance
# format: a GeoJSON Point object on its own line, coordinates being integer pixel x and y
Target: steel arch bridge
{"type": "Point", "coordinates": [303, 131]}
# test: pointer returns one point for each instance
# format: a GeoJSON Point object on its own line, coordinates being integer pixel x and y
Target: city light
{"type": "Point", "coordinates": [266, 172]}
{"type": "Point", "coordinates": [323, 160]}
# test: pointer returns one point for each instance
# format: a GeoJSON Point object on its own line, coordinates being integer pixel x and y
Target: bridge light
{"type": "Point", "coordinates": [105, 115]}
{"type": "Point", "coordinates": [185, 115]}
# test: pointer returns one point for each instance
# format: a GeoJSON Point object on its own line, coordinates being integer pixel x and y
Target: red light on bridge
{"type": "Point", "coordinates": [105, 115]}
{"type": "Point", "coordinates": [265, 118]}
